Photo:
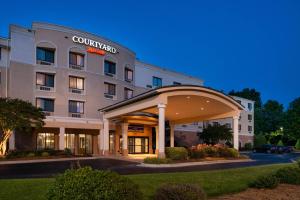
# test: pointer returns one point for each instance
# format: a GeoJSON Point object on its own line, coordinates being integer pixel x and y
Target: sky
{"type": "Point", "coordinates": [228, 44]}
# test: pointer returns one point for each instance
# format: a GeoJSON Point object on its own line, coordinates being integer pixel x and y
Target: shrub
{"type": "Point", "coordinates": [228, 152]}
{"type": "Point", "coordinates": [289, 175]}
{"type": "Point", "coordinates": [297, 146]}
{"type": "Point", "coordinates": [266, 181]}
{"type": "Point", "coordinates": [45, 154]}
{"type": "Point", "coordinates": [176, 153]}
{"type": "Point", "coordinates": [179, 192]}
{"type": "Point", "coordinates": [280, 143]}
{"type": "Point", "coordinates": [67, 152]}
{"type": "Point", "coordinates": [31, 154]}
{"type": "Point", "coordinates": [211, 151]}
{"type": "Point", "coordinates": [150, 160]}
{"type": "Point", "coordinates": [197, 153]}
{"type": "Point", "coordinates": [248, 146]}
{"type": "Point", "coordinates": [86, 183]}
{"type": "Point", "coordinates": [298, 162]}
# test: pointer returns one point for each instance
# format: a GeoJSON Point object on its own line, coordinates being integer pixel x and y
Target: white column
{"type": "Point", "coordinates": [172, 126]}
{"type": "Point", "coordinates": [161, 130]}
{"type": "Point", "coordinates": [61, 142]}
{"type": "Point", "coordinates": [156, 140]}
{"type": "Point", "coordinates": [105, 136]}
{"type": "Point", "coordinates": [100, 140]}
{"type": "Point", "coordinates": [12, 141]}
{"type": "Point", "coordinates": [125, 139]}
{"type": "Point", "coordinates": [236, 132]}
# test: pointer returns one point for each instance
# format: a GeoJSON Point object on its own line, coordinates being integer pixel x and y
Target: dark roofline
{"type": "Point", "coordinates": [154, 92]}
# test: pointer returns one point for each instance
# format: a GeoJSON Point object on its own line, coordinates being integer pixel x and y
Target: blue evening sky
{"type": "Point", "coordinates": [229, 44]}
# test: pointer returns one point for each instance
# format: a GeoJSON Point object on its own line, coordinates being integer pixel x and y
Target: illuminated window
{"type": "Point", "coordinates": [128, 75]}
{"type": "Point", "coordinates": [128, 93]}
{"type": "Point", "coordinates": [76, 82]}
{"type": "Point", "coordinates": [85, 144]}
{"type": "Point", "coordinates": [44, 79]}
{"type": "Point", "coordinates": [76, 107]}
{"type": "Point", "coordinates": [70, 142]}
{"type": "Point", "coordinates": [45, 56]}
{"type": "Point", "coordinates": [76, 60]}
{"type": "Point", "coordinates": [109, 89]}
{"type": "Point", "coordinates": [45, 141]}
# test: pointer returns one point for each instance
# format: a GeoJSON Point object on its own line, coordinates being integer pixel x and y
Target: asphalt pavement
{"type": "Point", "coordinates": [50, 169]}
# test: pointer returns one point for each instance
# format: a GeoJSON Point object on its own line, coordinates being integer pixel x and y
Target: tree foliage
{"type": "Point", "coordinates": [212, 134]}
{"type": "Point", "coordinates": [248, 93]}
{"type": "Point", "coordinates": [16, 114]}
{"type": "Point", "coordinates": [292, 119]}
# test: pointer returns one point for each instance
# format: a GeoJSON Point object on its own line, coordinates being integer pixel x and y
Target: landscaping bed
{"type": "Point", "coordinates": [282, 192]}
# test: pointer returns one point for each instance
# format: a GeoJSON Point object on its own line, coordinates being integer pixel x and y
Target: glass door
{"type": "Point", "coordinates": [85, 144]}
{"type": "Point", "coordinates": [138, 145]}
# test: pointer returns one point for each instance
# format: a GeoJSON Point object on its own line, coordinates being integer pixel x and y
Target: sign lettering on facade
{"type": "Point", "coordinates": [95, 44]}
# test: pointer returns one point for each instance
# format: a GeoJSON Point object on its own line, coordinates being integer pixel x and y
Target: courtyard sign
{"type": "Point", "coordinates": [95, 44]}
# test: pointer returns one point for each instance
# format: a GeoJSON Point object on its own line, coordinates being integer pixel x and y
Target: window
{"type": "Point", "coordinates": [249, 117]}
{"type": "Point", "coordinates": [240, 127]}
{"type": "Point", "coordinates": [109, 68]}
{"type": "Point", "coordinates": [176, 83]}
{"type": "Point", "coordinates": [228, 125]}
{"type": "Point", "coordinates": [76, 107]}
{"type": "Point", "coordinates": [45, 141]}
{"type": "Point", "coordinates": [70, 142]}
{"type": "Point", "coordinates": [215, 123]}
{"type": "Point", "coordinates": [110, 89]}
{"type": "Point", "coordinates": [250, 106]}
{"type": "Point", "coordinates": [43, 79]}
{"type": "Point", "coordinates": [44, 56]}
{"type": "Point", "coordinates": [128, 93]}
{"type": "Point", "coordinates": [76, 83]}
{"type": "Point", "coordinates": [128, 75]}
{"type": "Point", "coordinates": [239, 101]}
{"type": "Point", "coordinates": [156, 82]}
{"type": "Point", "coordinates": [250, 128]}
{"type": "Point", "coordinates": [46, 105]}
{"type": "Point", "coordinates": [85, 144]}
{"type": "Point", "coordinates": [76, 60]}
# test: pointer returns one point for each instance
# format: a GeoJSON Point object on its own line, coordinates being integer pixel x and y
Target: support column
{"type": "Point", "coordinates": [172, 126]}
{"type": "Point", "coordinates": [105, 136]}
{"type": "Point", "coordinates": [125, 139]}
{"type": "Point", "coordinates": [12, 141]}
{"type": "Point", "coordinates": [61, 141]}
{"type": "Point", "coordinates": [100, 141]}
{"type": "Point", "coordinates": [236, 132]}
{"type": "Point", "coordinates": [161, 130]}
{"type": "Point", "coordinates": [156, 140]}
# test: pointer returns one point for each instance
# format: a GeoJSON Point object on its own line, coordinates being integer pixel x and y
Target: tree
{"type": "Point", "coordinates": [292, 123]}
{"type": "Point", "coordinates": [259, 140]}
{"type": "Point", "coordinates": [16, 114]}
{"type": "Point", "coordinates": [212, 134]}
{"type": "Point", "coordinates": [272, 116]}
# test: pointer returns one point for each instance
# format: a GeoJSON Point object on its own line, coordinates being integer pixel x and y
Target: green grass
{"type": "Point", "coordinates": [213, 182]}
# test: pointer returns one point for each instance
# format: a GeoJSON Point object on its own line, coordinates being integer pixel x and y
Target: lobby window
{"type": "Point", "coordinates": [47, 105]}
{"type": "Point", "coordinates": [70, 142]}
{"type": "Point", "coordinates": [156, 82]}
{"type": "Point", "coordinates": [44, 81]}
{"type": "Point", "coordinates": [45, 56]}
{"type": "Point", "coordinates": [76, 108]}
{"type": "Point", "coordinates": [45, 141]}
{"type": "Point", "coordinates": [128, 75]}
{"type": "Point", "coordinates": [109, 68]}
{"type": "Point", "coordinates": [176, 83]}
{"type": "Point", "coordinates": [250, 117]}
{"type": "Point", "coordinates": [76, 84]}
{"type": "Point", "coordinates": [109, 90]}
{"type": "Point", "coordinates": [76, 61]}
{"type": "Point", "coordinates": [250, 128]}
{"type": "Point", "coordinates": [128, 93]}
{"type": "Point", "coordinates": [249, 106]}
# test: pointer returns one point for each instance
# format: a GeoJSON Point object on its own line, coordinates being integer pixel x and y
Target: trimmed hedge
{"type": "Point", "coordinates": [266, 181]}
{"type": "Point", "coordinates": [176, 153]}
{"type": "Point", "coordinates": [88, 184]}
{"type": "Point", "coordinates": [289, 175]}
{"type": "Point", "coordinates": [203, 151]}
{"type": "Point", "coordinates": [179, 192]}
{"type": "Point", "coordinates": [149, 160]}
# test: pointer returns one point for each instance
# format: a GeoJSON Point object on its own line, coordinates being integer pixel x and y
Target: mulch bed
{"type": "Point", "coordinates": [282, 192]}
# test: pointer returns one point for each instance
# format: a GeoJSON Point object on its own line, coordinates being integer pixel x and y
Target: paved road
{"type": "Point", "coordinates": [49, 169]}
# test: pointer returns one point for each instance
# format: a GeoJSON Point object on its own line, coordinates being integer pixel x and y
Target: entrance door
{"type": "Point", "coordinates": [85, 144]}
{"type": "Point", "coordinates": [138, 145]}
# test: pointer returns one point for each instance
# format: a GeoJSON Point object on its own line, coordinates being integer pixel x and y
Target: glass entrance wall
{"type": "Point", "coordinates": [70, 142]}
{"type": "Point", "coordinates": [138, 145]}
{"type": "Point", "coordinates": [45, 141]}
{"type": "Point", "coordinates": [85, 145]}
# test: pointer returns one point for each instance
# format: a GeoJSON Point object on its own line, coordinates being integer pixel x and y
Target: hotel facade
{"type": "Point", "coordinates": [99, 99]}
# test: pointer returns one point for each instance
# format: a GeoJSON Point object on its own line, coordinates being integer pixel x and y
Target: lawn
{"type": "Point", "coordinates": [214, 182]}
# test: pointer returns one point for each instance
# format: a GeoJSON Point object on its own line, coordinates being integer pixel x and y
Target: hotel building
{"type": "Point", "coordinates": [99, 99]}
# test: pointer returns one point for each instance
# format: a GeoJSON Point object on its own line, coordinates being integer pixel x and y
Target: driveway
{"type": "Point", "coordinates": [50, 169]}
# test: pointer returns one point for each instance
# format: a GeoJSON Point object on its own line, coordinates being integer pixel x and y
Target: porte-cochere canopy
{"type": "Point", "coordinates": [177, 104]}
